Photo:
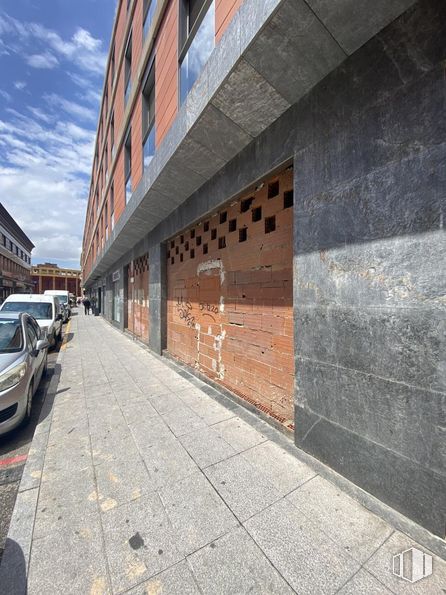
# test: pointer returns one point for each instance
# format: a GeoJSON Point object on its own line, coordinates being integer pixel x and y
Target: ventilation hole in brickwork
{"type": "Point", "coordinates": [192, 253]}
{"type": "Point", "coordinates": [205, 248]}
{"type": "Point", "coordinates": [198, 241]}
{"type": "Point", "coordinates": [177, 250]}
{"type": "Point", "coordinates": [273, 189]}
{"type": "Point", "coordinates": [213, 234]}
{"type": "Point", "coordinates": [181, 258]}
{"type": "Point", "coordinates": [242, 234]}
{"type": "Point", "coordinates": [172, 260]}
{"type": "Point", "coordinates": [270, 224]}
{"type": "Point", "coordinates": [256, 214]}
{"type": "Point", "coordinates": [172, 244]}
{"type": "Point", "coordinates": [181, 239]}
{"type": "Point", "coordinates": [288, 199]}
{"type": "Point", "coordinates": [232, 224]}
{"type": "Point", "coordinates": [245, 205]}
{"type": "Point", "coordinates": [222, 242]}
{"type": "Point", "coordinates": [206, 226]}
{"type": "Point", "coordinates": [186, 246]}
{"type": "Point", "coordinates": [223, 217]}
{"type": "Point", "coordinates": [192, 234]}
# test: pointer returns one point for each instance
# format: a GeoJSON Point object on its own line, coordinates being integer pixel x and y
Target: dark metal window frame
{"type": "Point", "coordinates": [128, 155]}
{"type": "Point", "coordinates": [187, 34]}
{"type": "Point", "coordinates": [128, 60]}
{"type": "Point", "coordinates": [149, 73]}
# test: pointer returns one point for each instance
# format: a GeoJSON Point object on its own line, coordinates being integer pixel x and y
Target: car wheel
{"type": "Point", "coordinates": [29, 403]}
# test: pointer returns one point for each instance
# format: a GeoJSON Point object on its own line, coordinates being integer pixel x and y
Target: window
{"type": "Point", "coordinates": [106, 162]}
{"type": "Point", "coordinates": [149, 12]}
{"type": "Point", "coordinates": [112, 61]}
{"type": "Point", "coordinates": [112, 207]}
{"type": "Point", "coordinates": [128, 70]}
{"type": "Point", "coordinates": [106, 220]}
{"type": "Point", "coordinates": [112, 133]}
{"type": "Point", "coordinates": [128, 165]}
{"type": "Point", "coordinates": [105, 103]}
{"type": "Point", "coordinates": [32, 335]}
{"type": "Point", "coordinates": [197, 40]}
{"type": "Point", "coordinates": [148, 114]}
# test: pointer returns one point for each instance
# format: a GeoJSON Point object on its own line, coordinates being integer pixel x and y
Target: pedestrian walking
{"type": "Point", "coordinates": [87, 305]}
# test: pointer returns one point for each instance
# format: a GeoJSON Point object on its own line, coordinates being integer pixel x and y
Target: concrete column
{"type": "Point", "coordinates": [157, 298]}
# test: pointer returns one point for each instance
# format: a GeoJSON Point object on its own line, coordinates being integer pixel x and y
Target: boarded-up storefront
{"type": "Point", "coordinates": [138, 298]}
{"type": "Point", "coordinates": [230, 296]}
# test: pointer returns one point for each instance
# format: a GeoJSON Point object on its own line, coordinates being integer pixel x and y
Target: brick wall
{"type": "Point", "coordinates": [230, 295]}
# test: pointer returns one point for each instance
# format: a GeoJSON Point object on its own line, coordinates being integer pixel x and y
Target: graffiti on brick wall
{"type": "Point", "coordinates": [184, 311]}
{"type": "Point", "coordinates": [208, 310]}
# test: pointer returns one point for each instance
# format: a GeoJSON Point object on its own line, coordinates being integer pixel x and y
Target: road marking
{"type": "Point", "coordinates": [65, 336]}
{"type": "Point", "coordinates": [13, 460]}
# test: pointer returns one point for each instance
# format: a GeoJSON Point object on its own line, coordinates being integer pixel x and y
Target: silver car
{"type": "Point", "coordinates": [23, 362]}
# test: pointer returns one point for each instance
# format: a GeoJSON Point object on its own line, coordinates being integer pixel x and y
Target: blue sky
{"type": "Point", "coordinates": [52, 59]}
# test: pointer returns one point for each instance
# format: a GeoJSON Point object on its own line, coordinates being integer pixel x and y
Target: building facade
{"type": "Point", "coordinates": [266, 206]}
{"type": "Point", "coordinates": [50, 276]}
{"type": "Point", "coordinates": [15, 257]}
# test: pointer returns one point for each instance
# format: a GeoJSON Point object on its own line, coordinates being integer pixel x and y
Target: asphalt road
{"type": "Point", "coordinates": [14, 449]}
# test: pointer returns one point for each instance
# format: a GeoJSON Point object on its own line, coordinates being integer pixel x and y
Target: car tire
{"type": "Point", "coordinates": [29, 403]}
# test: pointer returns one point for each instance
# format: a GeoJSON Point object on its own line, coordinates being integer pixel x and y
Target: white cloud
{"type": "Point", "coordinates": [20, 85]}
{"type": "Point", "coordinates": [70, 107]}
{"type": "Point", "coordinates": [5, 95]}
{"type": "Point", "coordinates": [45, 164]}
{"type": "Point", "coordinates": [82, 50]}
{"type": "Point", "coordinates": [40, 114]}
{"type": "Point", "coordinates": [45, 60]}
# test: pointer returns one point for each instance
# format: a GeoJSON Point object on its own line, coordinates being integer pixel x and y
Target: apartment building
{"type": "Point", "coordinates": [15, 257]}
{"type": "Point", "coordinates": [50, 276]}
{"type": "Point", "coordinates": [266, 206]}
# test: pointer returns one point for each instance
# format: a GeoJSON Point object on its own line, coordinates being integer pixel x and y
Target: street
{"type": "Point", "coordinates": [14, 449]}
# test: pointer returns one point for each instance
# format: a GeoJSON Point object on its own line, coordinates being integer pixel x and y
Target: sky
{"type": "Point", "coordinates": [52, 60]}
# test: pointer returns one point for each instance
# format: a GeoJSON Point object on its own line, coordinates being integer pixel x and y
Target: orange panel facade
{"type": "Point", "coordinates": [224, 12]}
{"type": "Point", "coordinates": [230, 297]}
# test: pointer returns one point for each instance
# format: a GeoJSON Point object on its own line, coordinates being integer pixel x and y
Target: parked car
{"type": "Point", "coordinates": [23, 362]}
{"type": "Point", "coordinates": [64, 299]}
{"type": "Point", "coordinates": [46, 309]}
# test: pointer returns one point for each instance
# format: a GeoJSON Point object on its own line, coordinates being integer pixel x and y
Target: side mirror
{"type": "Point", "coordinates": [59, 317]}
{"type": "Point", "coordinates": [42, 344]}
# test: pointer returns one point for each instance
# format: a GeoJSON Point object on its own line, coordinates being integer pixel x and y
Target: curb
{"type": "Point", "coordinates": [16, 556]}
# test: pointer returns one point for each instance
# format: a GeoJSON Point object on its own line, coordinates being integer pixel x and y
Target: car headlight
{"type": "Point", "coordinates": [12, 377]}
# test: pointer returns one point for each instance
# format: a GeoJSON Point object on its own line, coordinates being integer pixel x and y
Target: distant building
{"type": "Point", "coordinates": [15, 257]}
{"type": "Point", "coordinates": [50, 276]}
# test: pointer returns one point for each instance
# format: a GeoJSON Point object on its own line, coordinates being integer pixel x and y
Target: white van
{"type": "Point", "coordinates": [64, 299]}
{"type": "Point", "coordinates": [46, 309]}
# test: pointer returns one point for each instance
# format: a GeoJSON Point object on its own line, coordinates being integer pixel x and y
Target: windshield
{"type": "Point", "coordinates": [11, 338]}
{"type": "Point", "coordinates": [62, 299]}
{"type": "Point", "coordinates": [39, 310]}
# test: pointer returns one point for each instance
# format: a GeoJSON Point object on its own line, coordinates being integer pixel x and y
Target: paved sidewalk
{"type": "Point", "coordinates": [143, 483]}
